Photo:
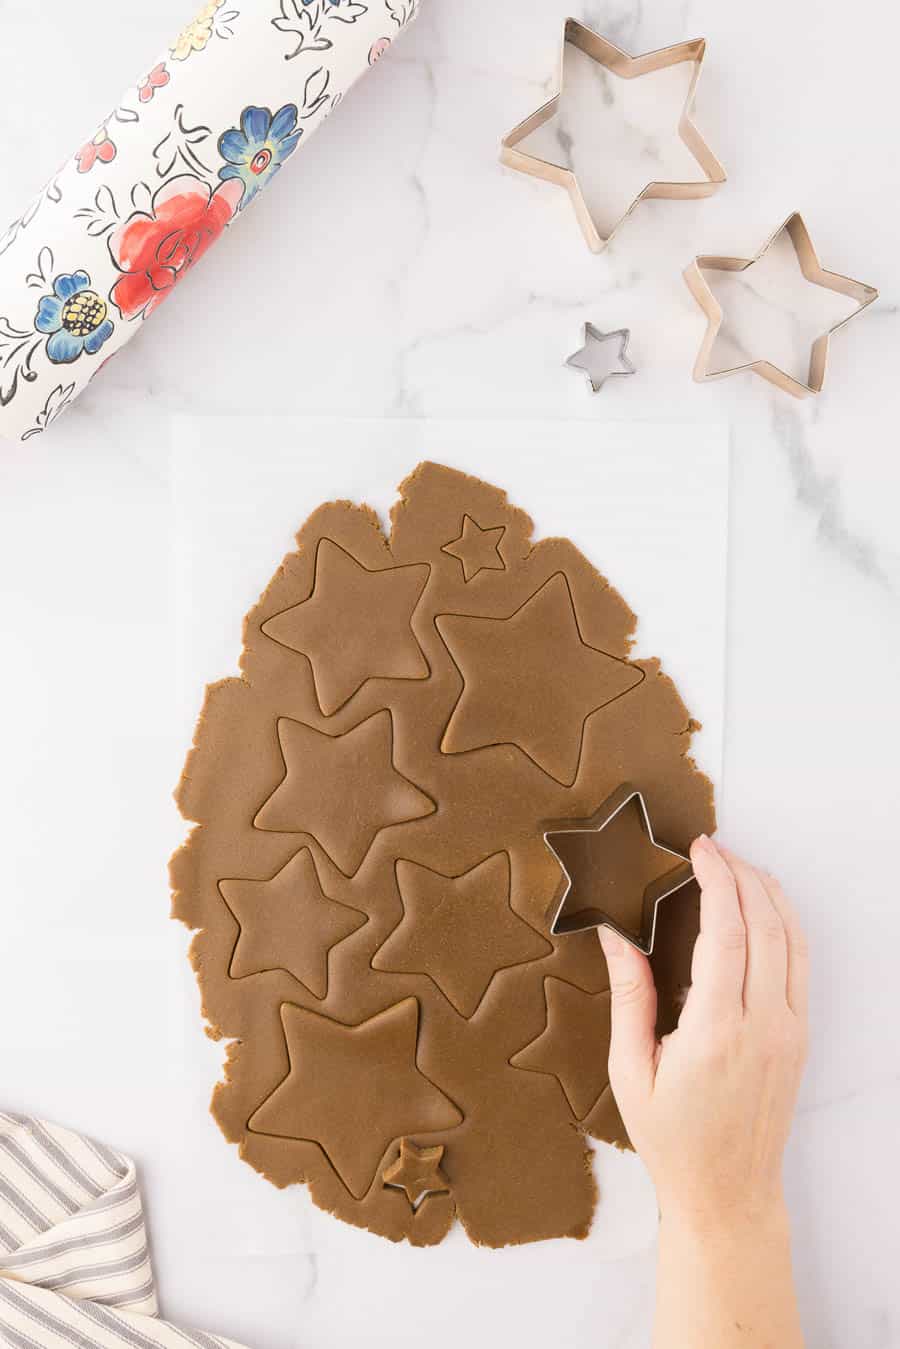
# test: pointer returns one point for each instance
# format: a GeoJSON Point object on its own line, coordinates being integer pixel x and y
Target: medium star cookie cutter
{"type": "Point", "coordinates": [814, 272]}
{"type": "Point", "coordinates": [588, 916]}
{"type": "Point", "coordinates": [628, 67]}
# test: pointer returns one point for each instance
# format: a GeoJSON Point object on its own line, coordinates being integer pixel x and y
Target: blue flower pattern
{"type": "Point", "coordinates": [74, 318]}
{"type": "Point", "coordinates": [256, 151]}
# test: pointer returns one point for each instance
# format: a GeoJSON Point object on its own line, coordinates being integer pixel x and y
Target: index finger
{"type": "Point", "coordinates": [720, 955]}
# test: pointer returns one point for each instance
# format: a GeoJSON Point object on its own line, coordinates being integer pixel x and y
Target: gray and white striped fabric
{"type": "Point", "coordinates": [75, 1268]}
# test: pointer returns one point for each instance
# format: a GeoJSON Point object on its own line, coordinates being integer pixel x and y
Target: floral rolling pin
{"type": "Point", "coordinates": [188, 148]}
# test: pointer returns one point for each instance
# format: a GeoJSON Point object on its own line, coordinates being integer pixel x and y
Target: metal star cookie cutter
{"type": "Point", "coordinates": [665, 885]}
{"type": "Point", "coordinates": [628, 67]}
{"type": "Point", "coordinates": [812, 269]}
{"type": "Point", "coordinates": [591, 331]}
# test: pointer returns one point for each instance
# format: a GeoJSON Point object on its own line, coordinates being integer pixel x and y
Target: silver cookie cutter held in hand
{"type": "Point", "coordinates": [588, 915]}
{"type": "Point", "coordinates": [578, 360]}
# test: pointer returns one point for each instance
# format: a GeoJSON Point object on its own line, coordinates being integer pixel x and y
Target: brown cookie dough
{"type": "Point", "coordinates": [368, 877]}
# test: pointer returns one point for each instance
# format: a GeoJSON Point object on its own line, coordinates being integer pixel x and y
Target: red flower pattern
{"type": "Point", "coordinates": [378, 49]}
{"type": "Point", "coordinates": [155, 249]}
{"type": "Point", "coordinates": [158, 78]}
{"type": "Point", "coordinates": [100, 147]}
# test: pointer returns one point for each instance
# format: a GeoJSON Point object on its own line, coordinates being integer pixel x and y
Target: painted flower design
{"type": "Point", "coordinates": [378, 49]}
{"type": "Point", "coordinates": [155, 249]}
{"type": "Point", "coordinates": [157, 78]}
{"type": "Point", "coordinates": [256, 150]}
{"type": "Point", "coordinates": [99, 147]}
{"type": "Point", "coordinates": [195, 35]}
{"type": "Point", "coordinates": [74, 318]}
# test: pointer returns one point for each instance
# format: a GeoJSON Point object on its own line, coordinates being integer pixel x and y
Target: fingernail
{"type": "Point", "coordinates": [611, 942]}
{"type": "Point", "coordinates": [704, 843]}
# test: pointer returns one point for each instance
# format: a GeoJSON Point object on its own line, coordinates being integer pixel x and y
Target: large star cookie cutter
{"type": "Point", "coordinates": [628, 67]}
{"type": "Point", "coordinates": [814, 272]}
{"type": "Point", "coordinates": [570, 914]}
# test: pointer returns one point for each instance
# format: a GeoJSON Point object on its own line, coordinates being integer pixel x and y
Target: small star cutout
{"type": "Point", "coordinates": [615, 873]}
{"type": "Point", "coordinates": [355, 626]}
{"type": "Point", "coordinates": [814, 272]}
{"type": "Point", "coordinates": [581, 359]}
{"type": "Point", "coordinates": [288, 923]}
{"type": "Point", "coordinates": [574, 1044]}
{"type": "Point", "coordinates": [417, 1171]}
{"type": "Point", "coordinates": [477, 549]}
{"type": "Point", "coordinates": [341, 789]}
{"type": "Point", "coordinates": [353, 1089]}
{"type": "Point", "coordinates": [531, 680]}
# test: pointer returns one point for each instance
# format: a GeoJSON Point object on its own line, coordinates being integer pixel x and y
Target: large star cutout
{"type": "Point", "coordinates": [354, 1089]}
{"type": "Point", "coordinates": [531, 680]}
{"type": "Point", "coordinates": [615, 872]}
{"type": "Point", "coordinates": [477, 549]}
{"type": "Point", "coordinates": [288, 923]}
{"type": "Point", "coordinates": [417, 1171]}
{"type": "Point", "coordinates": [813, 271]}
{"type": "Point", "coordinates": [355, 626]}
{"type": "Point", "coordinates": [617, 62]}
{"type": "Point", "coordinates": [573, 1046]}
{"type": "Point", "coordinates": [459, 930]}
{"type": "Point", "coordinates": [341, 789]}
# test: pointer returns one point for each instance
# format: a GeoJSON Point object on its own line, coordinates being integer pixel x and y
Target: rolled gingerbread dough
{"type": "Point", "coordinates": [368, 879]}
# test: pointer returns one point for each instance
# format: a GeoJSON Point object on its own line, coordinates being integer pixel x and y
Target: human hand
{"type": "Point", "coordinates": [709, 1108]}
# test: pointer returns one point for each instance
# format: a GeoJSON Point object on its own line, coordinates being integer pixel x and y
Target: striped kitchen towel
{"type": "Point", "coordinates": [75, 1269]}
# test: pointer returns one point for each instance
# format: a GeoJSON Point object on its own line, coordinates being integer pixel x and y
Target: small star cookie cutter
{"type": "Point", "coordinates": [628, 67]}
{"type": "Point", "coordinates": [678, 875]}
{"type": "Point", "coordinates": [814, 272]}
{"type": "Point", "coordinates": [626, 365]}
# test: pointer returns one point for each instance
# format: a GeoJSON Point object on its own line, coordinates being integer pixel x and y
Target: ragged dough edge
{"type": "Point", "coordinates": [444, 1211]}
{"type": "Point", "coordinates": [190, 909]}
{"type": "Point", "coordinates": [523, 520]}
{"type": "Point", "coordinates": [414, 480]}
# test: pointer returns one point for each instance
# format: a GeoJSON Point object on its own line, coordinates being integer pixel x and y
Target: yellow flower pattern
{"type": "Point", "coordinates": [195, 36]}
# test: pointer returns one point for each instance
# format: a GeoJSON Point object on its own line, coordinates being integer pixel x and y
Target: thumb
{"type": "Point", "coordinates": [633, 1043]}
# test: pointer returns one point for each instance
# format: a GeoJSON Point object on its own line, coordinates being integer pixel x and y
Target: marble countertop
{"type": "Point", "coordinates": [398, 271]}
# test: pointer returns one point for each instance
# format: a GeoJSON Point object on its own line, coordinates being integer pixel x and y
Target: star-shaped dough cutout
{"type": "Point", "coordinates": [620, 63]}
{"type": "Point", "coordinates": [477, 549]}
{"type": "Point", "coordinates": [288, 923]}
{"type": "Point", "coordinates": [355, 626]}
{"type": "Point", "coordinates": [531, 680]}
{"type": "Point", "coordinates": [615, 871]}
{"type": "Point", "coordinates": [814, 272]}
{"type": "Point", "coordinates": [417, 1171]}
{"type": "Point", "coordinates": [581, 359]}
{"type": "Point", "coordinates": [573, 1047]}
{"type": "Point", "coordinates": [459, 930]}
{"type": "Point", "coordinates": [341, 789]}
{"type": "Point", "coordinates": [354, 1089]}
